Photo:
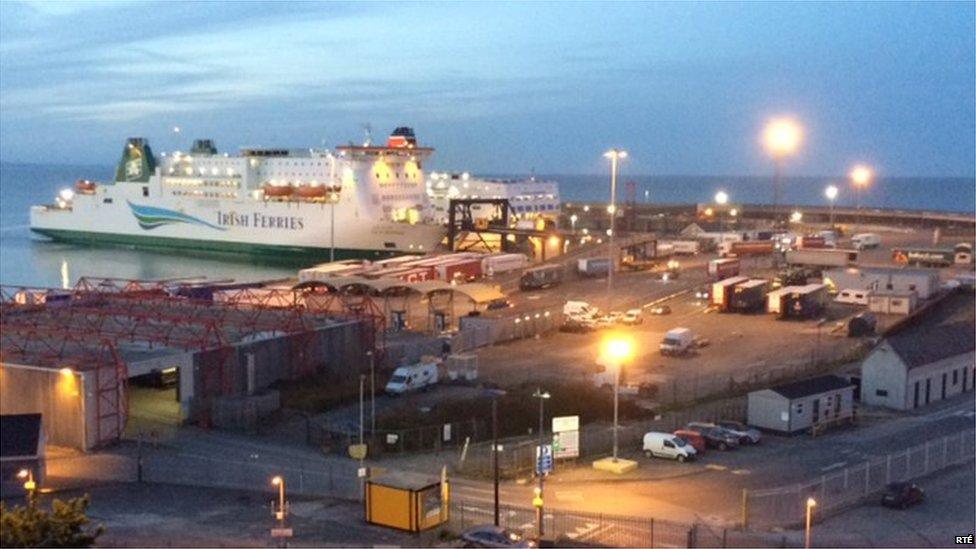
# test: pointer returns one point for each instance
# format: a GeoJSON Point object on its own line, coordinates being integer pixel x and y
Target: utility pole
{"type": "Point", "coordinates": [538, 501]}
{"type": "Point", "coordinates": [494, 452]}
{"type": "Point", "coordinates": [372, 394]}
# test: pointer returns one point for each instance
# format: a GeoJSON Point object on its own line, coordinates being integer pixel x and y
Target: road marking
{"type": "Point", "coordinates": [741, 472]}
{"type": "Point", "coordinates": [583, 530]}
{"type": "Point", "coordinates": [569, 496]}
{"type": "Point", "coordinates": [832, 466]}
{"type": "Point", "coordinates": [714, 467]}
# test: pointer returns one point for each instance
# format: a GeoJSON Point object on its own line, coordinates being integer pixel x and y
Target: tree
{"type": "Point", "coordinates": [65, 525]}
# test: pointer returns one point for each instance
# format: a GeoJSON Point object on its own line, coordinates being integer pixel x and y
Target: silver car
{"type": "Point", "coordinates": [746, 434]}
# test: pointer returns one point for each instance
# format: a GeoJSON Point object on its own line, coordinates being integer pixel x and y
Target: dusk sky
{"type": "Point", "coordinates": [498, 87]}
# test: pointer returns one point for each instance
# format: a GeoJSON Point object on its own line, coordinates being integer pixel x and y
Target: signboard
{"type": "Point", "coordinates": [357, 451]}
{"type": "Point", "coordinates": [544, 459]}
{"type": "Point", "coordinates": [447, 432]}
{"type": "Point", "coordinates": [565, 444]}
{"type": "Point", "coordinates": [565, 423]}
{"type": "Point", "coordinates": [282, 532]}
{"type": "Point", "coordinates": [565, 437]}
{"type": "Point", "coordinates": [392, 438]}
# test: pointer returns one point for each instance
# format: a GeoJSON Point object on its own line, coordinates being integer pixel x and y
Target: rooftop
{"type": "Point", "coordinates": [812, 386]}
{"type": "Point", "coordinates": [945, 330]}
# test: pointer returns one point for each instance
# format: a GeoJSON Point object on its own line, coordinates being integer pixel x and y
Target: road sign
{"type": "Point", "coordinates": [282, 532]}
{"type": "Point", "coordinates": [565, 423]}
{"type": "Point", "coordinates": [545, 460]}
{"type": "Point", "coordinates": [565, 444]}
{"type": "Point", "coordinates": [357, 451]}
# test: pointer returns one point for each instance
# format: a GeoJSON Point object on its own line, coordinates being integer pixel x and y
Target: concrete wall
{"type": "Point", "coordinates": [65, 402]}
{"type": "Point", "coordinates": [884, 379]}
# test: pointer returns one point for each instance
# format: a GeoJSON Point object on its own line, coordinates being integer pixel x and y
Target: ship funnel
{"type": "Point", "coordinates": [137, 163]}
{"type": "Point", "coordinates": [203, 147]}
{"type": "Point", "coordinates": [402, 137]}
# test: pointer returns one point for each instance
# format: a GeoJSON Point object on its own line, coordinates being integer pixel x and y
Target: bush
{"type": "Point", "coordinates": [65, 525]}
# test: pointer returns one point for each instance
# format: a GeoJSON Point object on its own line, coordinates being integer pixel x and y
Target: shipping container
{"type": "Point", "coordinates": [749, 296]}
{"type": "Point", "coordinates": [541, 277]}
{"type": "Point", "coordinates": [593, 266]}
{"type": "Point", "coordinates": [822, 258]}
{"type": "Point", "coordinates": [723, 268]}
{"type": "Point", "coordinates": [684, 247]}
{"type": "Point", "coordinates": [723, 289]}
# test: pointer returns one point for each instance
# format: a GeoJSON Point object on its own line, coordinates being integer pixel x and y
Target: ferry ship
{"type": "Point", "coordinates": [529, 198]}
{"type": "Point", "coordinates": [353, 201]}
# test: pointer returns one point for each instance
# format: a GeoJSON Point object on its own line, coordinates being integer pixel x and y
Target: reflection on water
{"type": "Point", "coordinates": [33, 261]}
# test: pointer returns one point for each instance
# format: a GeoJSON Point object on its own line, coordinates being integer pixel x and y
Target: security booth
{"type": "Point", "coordinates": [407, 501]}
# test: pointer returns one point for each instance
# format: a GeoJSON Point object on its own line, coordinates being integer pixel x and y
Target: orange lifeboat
{"type": "Point", "coordinates": [277, 191]}
{"type": "Point", "coordinates": [311, 191]}
{"type": "Point", "coordinates": [85, 186]}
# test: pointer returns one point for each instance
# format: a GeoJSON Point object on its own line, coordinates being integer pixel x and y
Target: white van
{"type": "Point", "coordinates": [666, 445]}
{"type": "Point", "coordinates": [412, 378]}
{"type": "Point", "coordinates": [677, 341]}
{"type": "Point", "coordinates": [864, 241]}
{"type": "Point", "coordinates": [853, 297]}
{"type": "Point", "coordinates": [579, 310]}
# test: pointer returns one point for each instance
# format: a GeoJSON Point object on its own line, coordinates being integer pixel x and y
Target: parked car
{"type": "Point", "coordinates": [746, 434]}
{"type": "Point", "coordinates": [902, 494]}
{"type": "Point", "coordinates": [715, 436]}
{"type": "Point", "coordinates": [692, 437]}
{"type": "Point", "coordinates": [703, 295]}
{"type": "Point", "coordinates": [609, 319]}
{"type": "Point", "coordinates": [633, 317]}
{"type": "Point", "coordinates": [661, 310]}
{"type": "Point", "coordinates": [499, 304]}
{"type": "Point", "coordinates": [576, 326]}
{"type": "Point", "coordinates": [666, 445]}
{"type": "Point", "coordinates": [494, 536]}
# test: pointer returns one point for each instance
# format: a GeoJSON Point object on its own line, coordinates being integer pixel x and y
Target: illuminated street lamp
{"type": "Point", "coordinates": [781, 138]}
{"type": "Point", "coordinates": [27, 475]}
{"type": "Point", "coordinates": [811, 503]}
{"type": "Point", "coordinates": [572, 221]}
{"type": "Point", "coordinates": [616, 350]}
{"type": "Point", "coordinates": [861, 176]}
{"type": "Point", "coordinates": [721, 198]}
{"type": "Point", "coordinates": [831, 193]}
{"type": "Point", "coordinates": [615, 155]}
{"type": "Point", "coordinates": [796, 216]}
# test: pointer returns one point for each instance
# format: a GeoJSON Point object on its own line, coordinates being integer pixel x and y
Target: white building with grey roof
{"type": "Point", "coordinates": [929, 360]}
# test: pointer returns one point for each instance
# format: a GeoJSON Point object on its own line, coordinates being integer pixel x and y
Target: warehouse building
{"type": "Point", "coordinates": [802, 405]}
{"type": "Point", "coordinates": [924, 282]}
{"type": "Point", "coordinates": [108, 354]}
{"type": "Point", "coordinates": [930, 359]}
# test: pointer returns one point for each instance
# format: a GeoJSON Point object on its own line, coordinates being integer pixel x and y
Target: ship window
{"type": "Point", "coordinates": [389, 244]}
{"type": "Point", "coordinates": [107, 200]}
{"type": "Point", "coordinates": [145, 191]}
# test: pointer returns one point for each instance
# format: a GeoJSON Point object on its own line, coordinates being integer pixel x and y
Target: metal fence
{"type": "Point", "coordinates": [427, 438]}
{"type": "Point", "coordinates": [785, 506]}
{"type": "Point", "coordinates": [518, 453]}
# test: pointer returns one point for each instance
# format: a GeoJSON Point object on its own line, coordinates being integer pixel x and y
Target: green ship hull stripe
{"type": "Point", "coordinates": [287, 253]}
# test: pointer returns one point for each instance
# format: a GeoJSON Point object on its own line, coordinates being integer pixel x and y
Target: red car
{"type": "Point", "coordinates": [695, 439]}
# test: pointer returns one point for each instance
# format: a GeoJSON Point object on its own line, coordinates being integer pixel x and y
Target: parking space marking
{"type": "Point", "coordinates": [583, 530]}
{"type": "Point", "coordinates": [714, 467]}
{"type": "Point", "coordinates": [569, 496]}
{"type": "Point", "coordinates": [741, 472]}
{"type": "Point", "coordinates": [833, 466]}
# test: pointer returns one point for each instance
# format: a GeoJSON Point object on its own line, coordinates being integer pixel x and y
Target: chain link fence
{"type": "Point", "coordinates": [785, 506]}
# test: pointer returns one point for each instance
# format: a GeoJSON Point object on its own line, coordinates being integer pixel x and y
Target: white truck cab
{"type": "Point", "coordinates": [677, 341]}
{"type": "Point", "coordinates": [579, 310]}
{"type": "Point", "coordinates": [412, 378]}
{"type": "Point", "coordinates": [864, 241]}
{"type": "Point", "coordinates": [666, 445]}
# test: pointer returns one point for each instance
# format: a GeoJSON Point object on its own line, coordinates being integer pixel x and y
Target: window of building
{"type": "Point", "coordinates": [145, 191]}
{"type": "Point", "coordinates": [955, 377]}
{"type": "Point", "coordinates": [881, 392]}
{"type": "Point", "coordinates": [799, 408]}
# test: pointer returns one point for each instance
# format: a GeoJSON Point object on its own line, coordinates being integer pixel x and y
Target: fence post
{"type": "Point", "coordinates": [928, 445]}
{"type": "Point", "coordinates": [888, 469]}
{"type": "Point", "coordinates": [725, 533]}
{"type": "Point", "coordinates": [745, 508]}
{"type": "Point", "coordinates": [652, 532]}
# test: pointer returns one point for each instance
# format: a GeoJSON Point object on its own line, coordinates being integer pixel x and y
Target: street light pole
{"type": "Point", "coordinates": [332, 202]}
{"type": "Point", "coordinates": [542, 396]}
{"type": "Point", "coordinates": [494, 452]}
{"type": "Point", "coordinates": [616, 404]}
{"type": "Point", "coordinates": [372, 394]}
{"type": "Point", "coordinates": [614, 155]}
{"type": "Point", "coordinates": [811, 503]}
{"type": "Point", "coordinates": [29, 486]}
{"type": "Point", "coordinates": [282, 510]}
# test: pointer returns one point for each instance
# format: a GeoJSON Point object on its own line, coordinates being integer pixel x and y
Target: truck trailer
{"type": "Point", "coordinates": [745, 248]}
{"type": "Point", "coordinates": [825, 257]}
{"type": "Point", "coordinates": [541, 277]}
{"type": "Point", "coordinates": [804, 302]}
{"type": "Point", "coordinates": [933, 257]}
{"type": "Point", "coordinates": [723, 289]}
{"type": "Point", "coordinates": [593, 266]}
{"type": "Point", "coordinates": [749, 296]}
{"type": "Point", "coordinates": [776, 298]}
{"type": "Point", "coordinates": [723, 268]}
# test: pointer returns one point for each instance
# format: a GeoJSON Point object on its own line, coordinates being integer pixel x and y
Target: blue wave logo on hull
{"type": "Point", "coordinates": [150, 217]}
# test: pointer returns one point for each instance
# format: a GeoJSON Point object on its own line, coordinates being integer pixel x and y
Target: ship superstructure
{"type": "Point", "coordinates": [530, 198]}
{"type": "Point", "coordinates": [353, 201]}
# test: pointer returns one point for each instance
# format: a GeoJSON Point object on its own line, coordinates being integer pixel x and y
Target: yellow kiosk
{"type": "Point", "coordinates": [407, 501]}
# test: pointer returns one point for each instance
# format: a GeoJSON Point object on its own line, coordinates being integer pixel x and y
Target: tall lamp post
{"type": "Point", "coordinates": [616, 351]}
{"type": "Point", "coordinates": [282, 510]}
{"type": "Point", "coordinates": [860, 177]}
{"type": "Point", "coordinates": [615, 155]}
{"type": "Point", "coordinates": [721, 198]}
{"type": "Point", "coordinates": [781, 137]}
{"type": "Point", "coordinates": [27, 475]}
{"type": "Point", "coordinates": [572, 221]}
{"type": "Point", "coordinates": [543, 396]}
{"type": "Point", "coordinates": [831, 193]}
{"type": "Point", "coordinates": [811, 503]}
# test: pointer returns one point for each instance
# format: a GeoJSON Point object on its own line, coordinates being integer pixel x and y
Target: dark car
{"type": "Point", "coordinates": [499, 304]}
{"type": "Point", "coordinates": [715, 437]}
{"type": "Point", "coordinates": [494, 536]}
{"type": "Point", "coordinates": [576, 327]}
{"type": "Point", "coordinates": [661, 310]}
{"type": "Point", "coordinates": [902, 494]}
{"type": "Point", "coordinates": [746, 434]}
